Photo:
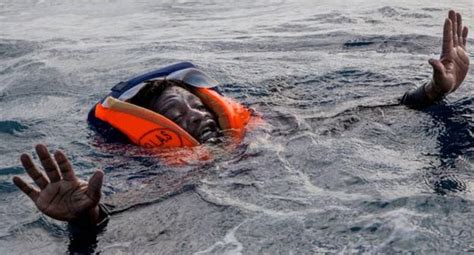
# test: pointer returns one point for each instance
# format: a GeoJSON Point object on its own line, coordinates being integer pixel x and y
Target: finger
{"type": "Point", "coordinates": [26, 188]}
{"type": "Point", "coordinates": [438, 67]}
{"type": "Point", "coordinates": [65, 166]}
{"type": "Point", "coordinates": [453, 18]}
{"type": "Point", "coordinates": [447, 37]}
{"type": "Point", "coordinates": [49, 165]}
{"type": "Point", "coordinates": [464, 36]}
{"type": "Point", "coordinates": [35, 174]}
{"type": "Point", "coordinates": [95, 185]}
{"type": "Point", "coordinates": [459, 27]}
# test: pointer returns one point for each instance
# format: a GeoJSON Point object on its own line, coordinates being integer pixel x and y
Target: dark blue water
{"type": "Point", "coordinates": [338, 167]}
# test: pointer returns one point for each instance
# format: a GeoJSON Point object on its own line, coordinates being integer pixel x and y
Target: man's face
{"type": "Point", "coordinates": [186, 110]}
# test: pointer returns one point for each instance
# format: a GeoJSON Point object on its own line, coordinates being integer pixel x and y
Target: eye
{"type": "Point", "coordinates": [173, 114]}
{"type": "Point", "coordinates": [201, 107]}
{"type": "Point", "coordinates": [177, 117]}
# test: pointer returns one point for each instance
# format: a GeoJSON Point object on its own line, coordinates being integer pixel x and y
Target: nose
{"type": "Point", "coordinates": [195, 119]}
{"type": "Point", "coordinates": [196, 116]}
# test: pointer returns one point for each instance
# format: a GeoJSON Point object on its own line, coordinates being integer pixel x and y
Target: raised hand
{"type": "Point", "coordinates": [451, 69]}
{"type": "Point", "coordinates": [61, 195]}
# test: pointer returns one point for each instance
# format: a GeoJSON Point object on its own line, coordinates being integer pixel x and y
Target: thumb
{"type": "Point", "coordinates": [95, 185]}
{"type": "Point", "coordinates": [438, 67]}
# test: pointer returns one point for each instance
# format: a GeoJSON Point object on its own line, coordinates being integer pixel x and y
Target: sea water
{"type": "Point", "coordinates": [337, 166]}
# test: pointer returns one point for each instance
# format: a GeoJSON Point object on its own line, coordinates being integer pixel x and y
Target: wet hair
{"type": "Point", "coordinates": [153, 89]}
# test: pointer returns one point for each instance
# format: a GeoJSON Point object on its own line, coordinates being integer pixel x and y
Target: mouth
{"type": "Point", "coordinates": [207, 134]}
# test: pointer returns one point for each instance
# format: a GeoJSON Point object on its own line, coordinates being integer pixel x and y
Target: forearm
{"type": "Point", "coordinates": [84, 231]}
{"type": "Point", "coordinates": [422, 96]}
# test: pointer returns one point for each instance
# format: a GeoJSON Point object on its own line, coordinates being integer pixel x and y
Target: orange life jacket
{"type": "Point", "coordinates": [150, 129]}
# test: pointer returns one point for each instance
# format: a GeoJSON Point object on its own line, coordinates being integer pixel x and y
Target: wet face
{"type": "Point", "coordinates": [187, 110]}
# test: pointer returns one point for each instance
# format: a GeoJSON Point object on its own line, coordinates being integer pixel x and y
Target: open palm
{"type": "Point", "coordinates": [452, 67]}
{"type": "Point", "coordinates": [61, 194]}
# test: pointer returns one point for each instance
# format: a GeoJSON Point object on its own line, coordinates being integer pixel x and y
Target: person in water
{"type": "Point", "coordinates": [63, 196]}
{"type": "Point", "coordinates": [175, 106]}
{"type": "Point", "coordinates": [174, 100]}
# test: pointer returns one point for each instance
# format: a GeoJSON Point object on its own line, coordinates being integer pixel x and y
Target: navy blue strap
{"type": "Point", "coordinates": [124, 86]}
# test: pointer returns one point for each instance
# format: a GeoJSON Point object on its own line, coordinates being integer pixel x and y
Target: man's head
{"type": "Point", "coordinates": [172, 100]}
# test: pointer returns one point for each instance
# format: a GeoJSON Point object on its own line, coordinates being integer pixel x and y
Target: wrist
{"type": "Point", "coordinates": [89, 217]}
{"type": "Point", "coordinates": [91, 222]}
{"type": "Point", "coordinates": [432, 91]}
{"type": "Point", "coordinates": [93, 214]}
